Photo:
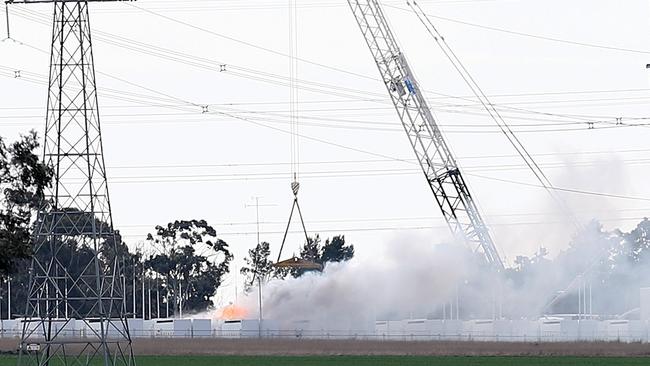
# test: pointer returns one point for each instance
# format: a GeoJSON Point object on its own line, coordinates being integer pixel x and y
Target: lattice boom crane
{"type": "Point", "coordinates": [431, 149]}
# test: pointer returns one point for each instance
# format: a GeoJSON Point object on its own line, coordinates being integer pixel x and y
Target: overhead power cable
{"type": "Point", "coordinates": [276, 79]}
{"type": "Point", "coordinates": [530, 35]}
{"type": "Point", "coordinates": [489, 107]}
{"type": "Point", "coordinates": [357, 221]}
{"type": "Point", "coordinates": [343, 229]}
{"type": "Point", "coordinates": [276, 118]}
{"type": "Point", "coordinates": [391, 159]}
{"type": "Point", "coordinates": [315, 139]}
{"type": "Point", "coordinates": [249, 44]}
{"type": "Point", "coordinates": [569, 190]}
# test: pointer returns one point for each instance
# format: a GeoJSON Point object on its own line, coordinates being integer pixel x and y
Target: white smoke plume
{"type": "Point", "coordinates": [410, 277]}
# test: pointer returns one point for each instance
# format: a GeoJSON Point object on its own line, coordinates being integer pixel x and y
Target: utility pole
{"type": "Point", "coordinates": [180, 299]}
{"type": "Point", "coordinates": [157, 298]}
{"type": "Point", "coordinates": [261, 317]}
{"type": "Point", "coordinates": [256, 275]}
{"type": "Point", "coordinates": [135, 312]}
{"type": "Point", "coordinates": [9, 298]}
{"type": "Point", "coordinates": [149, 296]}
{"type": "Point", "coordinates": [143, 304]}
{"type": "Point", "coordinates": [257, 206]}
{"type": "Point", "coordinates": [76, 208]}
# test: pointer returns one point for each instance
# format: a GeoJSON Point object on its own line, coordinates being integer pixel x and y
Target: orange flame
{"type": "Point", "coordinates": [232, 312]}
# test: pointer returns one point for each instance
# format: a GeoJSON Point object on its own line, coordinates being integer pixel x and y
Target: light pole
{"type": "Point", "coordinates": [133, 291]}
{"type": "Point", "coordinates": [9, 298]}
{"type": "Point", "coordinates": [157, 298]}
{"type": "Point", "coordinates": [259, 277]}
{"type": "Point", "coordinates": [259, 321]}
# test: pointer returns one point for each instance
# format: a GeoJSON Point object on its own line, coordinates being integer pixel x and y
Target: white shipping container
{"type": "Point", "coordinates": [163, 327]}
{"type": "Point", "coordinates": [618, 330]}
{"type": "Point", "coordinates": [201, 327]}
{"type": "Point", "coordinates": [270, 328]}
{"type": "Point", "coordinates": [416, 329]}
{"type": "Point", "coordinates": [550, 329]}
{"type": "Point", "coordinates": [231, 329]}
{"type": "Point", "coordinates": [381, 328]}
{"type": "Point", "coordinates": [481, 329]}
{"type": "Point", "coordinates": [182, 328]}
{"type": "Point", "coordinates": [525, 330]}
{"type": "Point", "coordinates": [9, 328]}
{"type": "Point", "coordinates": [136, 327]}
{"type": "Point", "coordinates": [503, 330]}
{"type": "Point", "coordinates": [587, 330]}
{"type": "Point", "coordinates": [637, 331]}
{"type": "Point", "coordinates": [437, 328]}
{"type": "Point", "coordinates": [64, 327]}
{"type": "Point", "coordinates": [149, 328]}
{"type": "Point", "coordinates": [453, 329]}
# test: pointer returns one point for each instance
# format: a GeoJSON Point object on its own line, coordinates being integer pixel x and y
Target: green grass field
{"type": "Point", "coordinates": [374, 361]}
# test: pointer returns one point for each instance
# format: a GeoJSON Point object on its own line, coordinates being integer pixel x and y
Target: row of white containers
{"type": "Point", "coordinates": [180, 328]}
{"type": "Point", "coordinates": [545, 329]}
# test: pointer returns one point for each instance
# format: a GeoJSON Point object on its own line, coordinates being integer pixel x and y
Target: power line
{"type": "Point", "coordinates": [165, 53]}
{"type": "Point", "coordinates": [249, 44]}
{"type": "Point", "coordinates": [236, 6]}
{"type": "Point", "coordinates": [390, 158]}
{"type": "Point", "coordinates": [311, 138]}
{"type": "Point", "coordinates": [344, 230]}
{"type": "Point", "coordinates": [430, 99]}
{"type": "Point", "coordinates": [569, 190]}
{"type": "Point", "coordinates": [401, 219]}
{"type": "Point", "coordinates": [529, 35]}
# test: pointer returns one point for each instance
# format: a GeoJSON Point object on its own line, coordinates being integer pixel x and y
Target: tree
{"type": "Point", "coordinates": [311, 250]}
{"type": "Point", "coordinates": [636, 244]}
{"type": "Point", "coordinates": [258, 265]}
{"type": "Point", "coordinates": [191, 260]}
{"type": "Point", "coordinates": [336, 250]}
{"type": "Point", "coordinates": [23, 181]}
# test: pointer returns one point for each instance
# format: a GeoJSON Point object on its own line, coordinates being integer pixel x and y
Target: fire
{"type": "Point", "coordinates": [232, 312]}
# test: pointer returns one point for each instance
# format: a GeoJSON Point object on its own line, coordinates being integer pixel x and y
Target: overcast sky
{"type": "Point", "coordinates": [167, 160]}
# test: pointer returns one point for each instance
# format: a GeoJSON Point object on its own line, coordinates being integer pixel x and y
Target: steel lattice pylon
{"type": "Point", "coordinates": [75, 310]}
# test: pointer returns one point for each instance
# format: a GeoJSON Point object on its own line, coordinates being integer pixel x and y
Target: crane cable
{"type": "Point", "coordinates": [294, 117]}
{"type": "Point", "coordinates": [491, 110]}
{"type": "Point", "coordinates": [293, 90]}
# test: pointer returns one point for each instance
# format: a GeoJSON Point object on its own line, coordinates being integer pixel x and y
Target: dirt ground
{"type": "Point", "coordinates": [160, 346]}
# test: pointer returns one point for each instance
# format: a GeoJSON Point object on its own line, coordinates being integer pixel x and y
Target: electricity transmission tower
{"type": "Point", "coordinates": [75, 312]}
{"type": "Point", "coordinates": [433, 154]}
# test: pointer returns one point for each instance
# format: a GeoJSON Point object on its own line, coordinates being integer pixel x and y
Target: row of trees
{"type": "Point", "coordinates": [187, 261]}
{"type": "Point", "coordinates": [184, 274]}
{"type": "Point", "coordinates": [608, 267]}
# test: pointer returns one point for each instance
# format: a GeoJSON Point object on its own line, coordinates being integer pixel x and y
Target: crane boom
{"type": "Point", "coordinates": [431, 149]}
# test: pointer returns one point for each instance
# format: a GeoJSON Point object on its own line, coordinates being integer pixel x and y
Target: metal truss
{"type": "Point", "coordinates": [75, 312]}
{"type": "Point", "coordinates": [436, 159]}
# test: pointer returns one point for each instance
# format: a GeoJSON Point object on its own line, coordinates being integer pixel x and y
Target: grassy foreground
{"type": "Point", "coordinates": [374, 361]}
